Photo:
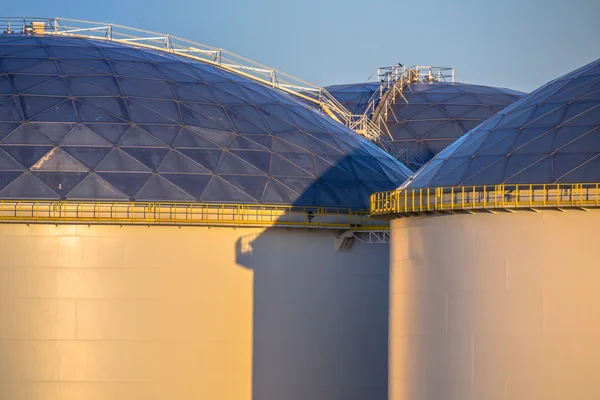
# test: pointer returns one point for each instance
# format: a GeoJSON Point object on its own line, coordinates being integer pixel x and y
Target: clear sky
{"type": "Point", "coordinates": [520, 44]}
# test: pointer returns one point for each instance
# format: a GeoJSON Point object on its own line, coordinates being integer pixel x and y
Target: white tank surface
{"type": "Point", "coordinates": [170, 217]}
{"type": "Point", "coordinates": [98, 312]}
{"type": "Point", "coordinates": [495, 306]}
{"type": "Point", "coordinates": [495, 285]}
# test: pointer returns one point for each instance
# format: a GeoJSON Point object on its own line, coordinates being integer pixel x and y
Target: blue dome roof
{"type": "Point", "coordinates": [434, 115]}
{"type": "Point", "coordinates": [94, 120]}
{"type": "Point", "coordinates": [355, 96]}
{"type": "Point", "coordinates": [550, 136]}
{"type": "Point", "coordinates": [431, 116]}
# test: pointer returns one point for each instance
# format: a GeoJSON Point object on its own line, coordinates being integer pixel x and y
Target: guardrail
{"type": "Point", "coordinates": [183, 47]}
{"type": "Point", "coordinates": [487, 197]}
{"type": "Point", "coordinates": [192, 214]}
{"type": "Point", "coordinates": [363, 124]}
{"type": "Point", "coordinates": [393, 81]}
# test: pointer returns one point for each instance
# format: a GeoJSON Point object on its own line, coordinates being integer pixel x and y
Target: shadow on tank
{"type": "Point", "coordinates": [320, 320]}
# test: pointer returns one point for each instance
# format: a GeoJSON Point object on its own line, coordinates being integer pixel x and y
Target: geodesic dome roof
{"type": "Point", "coordinates": [550, 136]}
{"type": "Point", "coordinates": [95, 120]}
{"type": "Point", "coordinates": [355, 97]}
{"type": "Point", "coordinates": [435, 114]}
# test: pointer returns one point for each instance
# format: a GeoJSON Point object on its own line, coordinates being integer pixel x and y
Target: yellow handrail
{"type": "Point", "coordinates": [484, 197]}
{"type": "Point", "coordinates": [200, 214]}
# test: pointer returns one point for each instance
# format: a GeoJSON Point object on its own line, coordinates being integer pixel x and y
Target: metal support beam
{"type": "Point", "coordinates": [346, 240]}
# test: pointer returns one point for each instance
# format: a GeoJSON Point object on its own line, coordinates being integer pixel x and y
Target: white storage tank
{"type": "Point", "coordinates": [169, 228]}
{"type": "Point", "coordinates": [495, 285]}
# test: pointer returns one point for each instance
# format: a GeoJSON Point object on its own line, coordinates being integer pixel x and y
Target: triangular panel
{"type": "Point", "coordinates": [160, 189]}
{"type": "Point", "coordinates": [221, 191]}
{"type": "Point", "coordinates": [27, 155]}
{"type": "Point", "coordinates": [94, 187]}
{"type": "Point", "coordinates": [111, 132]}
{"type": "Point", "coordinates": [60, 182]}
{"type": "Point", "coordinates": [221, 138]}
{"type": "Point", "coordinates": [128, 183]}
{"type": "Point", "coordinates": [88, 156]}
{"type": "Point", "coordinates": [81, 135]}
{"type": "Point", "coordinates": [119, 161]}
{"type": "Point", "coordinates": [150, 157]}
{"type": "Point", "coordinates": [282, 167]}
{"type": "Point", "coordinates": [136, 137]}
{"type": "Point", "coordinates": [194, 184]}
{"type": "Point", "coordinates": [26, 134]}
{"type": "Point", "coordinates": [176, 162]}
{"type": "Point", "coordinates": [231, 164]}
{"type": "Point", "coordinates": [253, 186]}
{"type": "Point", "coordinates": [277, 193]}
{"type": "Point", "coordinates": [164, 133]}
{"type": "Point", "coordinates": [7, 163]}
{"type": "Point", "coordinates": [59, 160]}
{"type": "Point", "coordinates": [28, 186]}
{"type": "Point", "coordinates": [188, 138]}
{"type": "Point", "coordinates": [209, 159]}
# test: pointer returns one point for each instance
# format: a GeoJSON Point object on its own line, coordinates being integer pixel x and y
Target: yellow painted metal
{"type": "Point", "coordinates": [199, 214]}
{"type": "Point", "coordinates": [522, 196]}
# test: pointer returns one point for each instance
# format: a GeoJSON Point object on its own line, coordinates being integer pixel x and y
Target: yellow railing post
{"type": "Point", "coordinates": [530, 196]}
{"type": "Point", "coordinates": [544, 195]}
{"type": "Point", "coordinates": [484, 197]}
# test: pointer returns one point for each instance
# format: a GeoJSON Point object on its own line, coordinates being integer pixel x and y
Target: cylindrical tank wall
{"type": "Point", "coordinates": [495, 306]}
{"type": "Point", "coordinates": [132, 312]}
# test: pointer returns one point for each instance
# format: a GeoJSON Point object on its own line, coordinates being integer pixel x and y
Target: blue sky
{"type": "Point", "coordinates": [516, 44]}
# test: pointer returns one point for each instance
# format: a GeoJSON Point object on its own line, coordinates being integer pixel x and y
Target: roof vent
{"type": "Point", "coordinates": [39, 27]}
{"type": "Point", "coordinates": [8, 30]}
{"type": "Point", "coordinates": [34, 28]}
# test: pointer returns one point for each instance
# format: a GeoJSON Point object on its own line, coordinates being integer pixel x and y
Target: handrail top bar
{"type": "Point", "coordinates": [149, 39]}
{"type": "Point", "coordinates": [339, 210]}
{"type": "Point", "coordinates": [185, 214]}
{"type": "Point", "coordinates": [413, 201]}
{"type": "Point", "coordinates": [223, 59]}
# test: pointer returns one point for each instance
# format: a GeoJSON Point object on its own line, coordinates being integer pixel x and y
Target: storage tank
{"type": "Point", "coordinates": [494, 281]}
{"type": "Point", "coordinates": [170, 228]}
{"type": "Point", "coordinates": [421, 118]}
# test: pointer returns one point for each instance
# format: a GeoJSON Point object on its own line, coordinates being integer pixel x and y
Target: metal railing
{"type": "Point", "coordinates": [488, 197]}
{"type": "Point", "coordinates": [392, 82]}
{"type": "Point", "coordinates": [370, 124]}
{"type": "Point", "coordinates": [193, 214]}
{"type": "Point", "coordinates": [197, 51]}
